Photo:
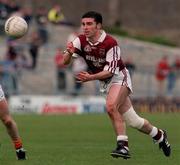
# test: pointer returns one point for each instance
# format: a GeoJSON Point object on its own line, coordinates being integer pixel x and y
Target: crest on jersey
{"type": "Point", "coordinates": [87, 48]}
{"type": "Point", "coordinates": [101, 52]}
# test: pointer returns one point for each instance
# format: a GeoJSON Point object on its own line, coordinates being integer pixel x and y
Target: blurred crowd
{"type": "Point", "coordinates": [166, 75]}
{"type": "Point", "coordinates": [23, 54]}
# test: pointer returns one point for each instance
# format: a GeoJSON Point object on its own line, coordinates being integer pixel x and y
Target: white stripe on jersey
{"type": "Point", "coordinates": [112, 57]}
{"type": "Point", "coordinates": [77, 44]}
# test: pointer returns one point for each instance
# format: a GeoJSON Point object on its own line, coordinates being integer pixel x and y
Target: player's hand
{"type": "Point", "coordinates": [70, 48]}
{"type": "Point", "coordinates": [84, 76]}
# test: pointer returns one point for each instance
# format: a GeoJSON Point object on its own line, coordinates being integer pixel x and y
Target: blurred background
{"type": "Point", "coordinates": [35, 81]}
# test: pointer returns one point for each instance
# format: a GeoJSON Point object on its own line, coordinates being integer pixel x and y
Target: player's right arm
{"type": "Point", "coordinates": [68, 53]}
{"type": "Point", "coordinates": [72, 50]}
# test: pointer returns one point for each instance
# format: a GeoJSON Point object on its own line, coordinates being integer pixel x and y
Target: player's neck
{"type": "Point", "coordinates": [96, 37]}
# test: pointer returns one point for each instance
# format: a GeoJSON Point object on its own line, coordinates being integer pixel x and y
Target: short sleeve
{"type": "Point", "coordinates": [112, 58]}
{"type": "Point", "coordinates": [77, 45]}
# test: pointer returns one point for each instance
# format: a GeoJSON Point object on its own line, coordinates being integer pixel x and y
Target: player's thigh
{"type": "Point", "coordinates": [118, 97]}
{"type": "Point", "coordinates": [122, 95]}
{"type": "Point", "coordinates": [125, 106]}
{"type": "Point", "coordinates": [117, 93]}
{"type": "Point", "coordinates": [123, 102]}
{"type": "Point", "coordinates": [113, 94]}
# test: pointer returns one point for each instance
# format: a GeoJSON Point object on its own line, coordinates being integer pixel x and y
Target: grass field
{"type": "Point", "coordinates": [86, 140]}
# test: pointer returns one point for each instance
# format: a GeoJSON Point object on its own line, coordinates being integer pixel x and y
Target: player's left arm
{"type": "Point", "coordinates": [113, 59]}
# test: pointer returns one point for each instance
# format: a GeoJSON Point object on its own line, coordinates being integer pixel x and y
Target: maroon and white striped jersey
{"type": "Point", "coordinates": [105, 54]}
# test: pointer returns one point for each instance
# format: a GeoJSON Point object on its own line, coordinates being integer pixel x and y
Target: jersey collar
{"type": "Point", "coordinates": [101, 38]}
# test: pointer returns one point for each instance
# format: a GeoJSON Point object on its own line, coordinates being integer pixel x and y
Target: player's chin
{"type": "Point", "coordinates": [87, 35]}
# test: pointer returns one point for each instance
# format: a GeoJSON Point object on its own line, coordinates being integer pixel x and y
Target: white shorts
{"type": "Point", "coordinates": [123, 78]}
{"type": "Point", "coordinates": [1, 94]}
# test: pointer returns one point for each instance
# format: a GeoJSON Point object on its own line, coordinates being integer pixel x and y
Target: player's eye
{"type": "Point", "coordinates": [89, 23]}
{"type": "Point", "coordinates": [83, 24]}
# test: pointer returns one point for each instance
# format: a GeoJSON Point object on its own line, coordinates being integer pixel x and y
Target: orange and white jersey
{"type": "Point", "coordinates": [1, 94]}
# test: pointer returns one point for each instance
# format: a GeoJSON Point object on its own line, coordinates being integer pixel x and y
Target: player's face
{"type": "Point", "coordinates": [89, 27]}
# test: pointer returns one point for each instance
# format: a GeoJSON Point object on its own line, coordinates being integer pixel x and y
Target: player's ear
{"type": "Point", "coordinates": [99, 26]}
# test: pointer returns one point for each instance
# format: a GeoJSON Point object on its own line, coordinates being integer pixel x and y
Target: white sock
{"type": "Point", "coordinates": [122, 137]}
{"type": "Point", "coordinates": [153, 132]}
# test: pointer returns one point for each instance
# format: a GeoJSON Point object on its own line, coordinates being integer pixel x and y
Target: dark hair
{"type": "Point", "coordinates": [92, 14]}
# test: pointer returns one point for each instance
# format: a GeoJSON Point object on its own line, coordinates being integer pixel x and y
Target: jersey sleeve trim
{"type": "Point", "coordinates": [113, 60]}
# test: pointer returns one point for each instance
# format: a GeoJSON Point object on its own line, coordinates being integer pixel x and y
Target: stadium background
{"type": "Point", "coordinates": [37, 89]}
{"type": "Point", "coordinates": [157, 17]}
{"type": "Point", "coordinates": [149, 20]}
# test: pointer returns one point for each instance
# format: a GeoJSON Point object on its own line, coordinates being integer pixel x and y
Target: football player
{"type": "Point", "coordinates": [11, 127]}
{"type": "Point", "coordinates": [103, 57]}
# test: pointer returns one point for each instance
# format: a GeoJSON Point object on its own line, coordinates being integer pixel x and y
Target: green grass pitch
{"type": "Point", "coordinates": [86, 140]}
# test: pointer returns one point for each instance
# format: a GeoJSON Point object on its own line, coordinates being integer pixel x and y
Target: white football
{"type": "Point", "coordinates": [15, 26]}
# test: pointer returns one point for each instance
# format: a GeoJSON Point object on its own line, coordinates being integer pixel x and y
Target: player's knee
{"type": "Point", "coordinates": [119, 105]}
{"type": "Point", "coordinates": [132, 119]}
{"type": "Point", "coordinates": [110, 107]}
{"type": "Point", "coordinates": [7, 122]}
{"type": "Point", "coordinates": [138, 123]}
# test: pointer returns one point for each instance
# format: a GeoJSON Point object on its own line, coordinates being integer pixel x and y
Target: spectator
{"type": "Point", "coordinates": [60, 71]}
{"type": "Point", "coordinates": [42, 21]}
{"type": "Point", "coordinates": [34, 45]}
{"type": "Point", "coordinates": [162, 71]}
{"type": "Point", "coordinates": [13, 7]}
{"type": "Point", "coordinates": [171, 80]}
{"type": "Point", "coordinates": [55, 15]}
{"type": "Point", "coordinates": [177, 63]}
{"type": "Point", "coordinates": [4, 9]}
{"type": "Point", "coordinates": [27, 14]}
{"type": "Point", "coordinates": [3, 14]}
{"type": "Point", "coordinates": [22, 61]}
{"type": "Point", "coordinates": [11, 53]}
